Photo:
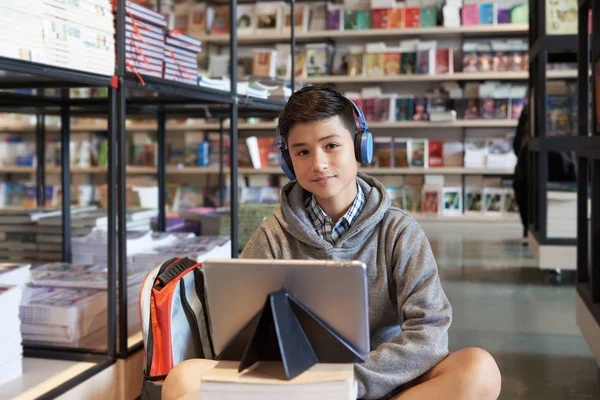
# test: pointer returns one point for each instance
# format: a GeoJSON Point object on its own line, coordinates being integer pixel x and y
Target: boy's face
{"type": "Point", "coordinates": [322, 154]}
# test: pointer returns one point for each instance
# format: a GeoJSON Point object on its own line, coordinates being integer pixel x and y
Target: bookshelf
{"type": "Point", "coordinates": [549, 42]}
{"type": "Point", "coordinates": [587, 309]}
{"type": "Point", "coordinates": [366, 34]}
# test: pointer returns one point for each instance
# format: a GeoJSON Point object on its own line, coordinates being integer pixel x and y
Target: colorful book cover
{"type": "Point", "coordinates": [404, 108]}
{"type": "Point", "coordinates": [382, 152]}
{"type": "Point", "coordinates": [412, 17]}
{"type": "Point", "coordinates": [300, 64]}
{"type": "Point", "coordinates": [363, 19]}
{"type": "Point", "coordinates": [493, 201]}
{"type": "Point", "coordinates": [357, 20]}
{"type": "Point", "coordinates": [470, 14]}
{"type": "Point", "coordinates": [426, 61]}
{"type": "Point", "coordinates": [221, 21]}
{"type": "Point", "coordinates": [428, 17]}
{"type": "Point", "coordinates": [501, 108]}
{"type": "Point", "coordinates": [487, 14]}
{"type": "Point", "coordinates": [396, 18]}
{"type": "Point", "coordinates": [29, 196]}
{"type": "Point", "coordinates": [397, 196]}
{"type": "Point", "coordinates": [430, 203]}
{"type": "Point", "coordinates": [452, 201]}
{"type": "Point", "coordinates": [380, 18]}
{"type": "Point", "coordinates": [558, 112]}
{"type": "Point", "coordinates": [504, 16]}
{"type": "Point", "coordinates": [516, 107]}
{"type": "Point", "coordinates": [372, 108]}
{"type": "Point", "coordinates": [473, 201]}
{"type": "Point", "coordinates": [510, 202]}
{"type": "Point", "coordinates": [388, 108]}
{"type": "Point", "coordinates": [413, 198]}
{"type": "Point", "coordinates": [269, 16]}
{"type": "Point", "coordinates": [400, 153]}
{"type": "Point", "coordinates": [355, 64]}
{"type": "Point", "coordinates": [245, 21]}
{"type": "Point", "coordinates": [391, 63]}
{"type": "Point", "coordinates": [574, 114]}
{"type": "Point", "coordinates": [486, 109]}
{"type": "Point", "coordinates": [418, 153]}
{"type": "Point", "coordinates": [317, 60]}
{"type": "Point", "coordinates": [444, 61]}
{"type": "Point", "coordinates": [472, 109]}
{"type": "Point", "coordinates": [375, 64]}
{"type": "Point", "coordinates": [408, 63]}
{"type": "Point", "coordinates": [334, 19]}
{"type": "Point", "coordinates": [436, 153]}
{"type": "Point", "coordinates": [561, 17]}
{"type": "Point", "coordinates": [421, 109]}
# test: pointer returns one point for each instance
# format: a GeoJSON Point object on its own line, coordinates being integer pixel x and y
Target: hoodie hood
{"type": "Point", "coordinates": [293, 216]}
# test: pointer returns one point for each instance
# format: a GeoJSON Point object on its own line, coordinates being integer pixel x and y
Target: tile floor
{"type": "Point", "coordinates": [504, 304]}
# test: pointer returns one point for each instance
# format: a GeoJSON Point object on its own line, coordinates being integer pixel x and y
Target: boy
{"type": "Point", "coordinates": [331, 211]}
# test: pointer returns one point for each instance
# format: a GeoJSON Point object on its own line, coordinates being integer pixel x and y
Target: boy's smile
{"type": "Point", "coordinates": [322, 153]}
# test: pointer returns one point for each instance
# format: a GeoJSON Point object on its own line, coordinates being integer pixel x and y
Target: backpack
{"type": "Point", "coordinates": [175, 322]}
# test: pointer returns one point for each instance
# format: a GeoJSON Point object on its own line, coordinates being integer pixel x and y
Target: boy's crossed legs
{"type": "Point", "coordinates": [468, 374]}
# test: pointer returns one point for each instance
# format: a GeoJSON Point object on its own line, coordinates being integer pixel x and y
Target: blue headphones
{"type": "Point", "coordinates": [363, 144]}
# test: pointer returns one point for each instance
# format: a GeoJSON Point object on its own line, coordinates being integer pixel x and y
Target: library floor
{"type": "Point", "coordinates": [504, 304]}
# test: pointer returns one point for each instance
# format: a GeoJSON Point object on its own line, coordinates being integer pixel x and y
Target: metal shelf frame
{"type": "Point", "coordinates": [544, 48]}
{"type": "Point", "coordinates": [588, 151]}
{"type": "Point", "coordinates": [41, 77]}
{"type": "Point", "coordinates": [169, 100]}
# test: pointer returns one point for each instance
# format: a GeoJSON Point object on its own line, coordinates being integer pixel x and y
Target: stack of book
{"type": "Point", "coordinates": [75, 35]}
{"type": "Point", "coordinates": [144, 40]}
{"type": "Point", "coordinates": [67, 304]}
{"type": "Point", "coordinates": [181, 63]}
{"type": "Point", "coordinates": [64, 315]}
{"type": "Point", "coordinates": [11, 358]}
{"type": "Point", "coordinates": [146, 250]}
{"type": "Point", "coordinates": [266, 380]}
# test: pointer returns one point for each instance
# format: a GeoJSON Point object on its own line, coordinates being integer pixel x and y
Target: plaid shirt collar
{"type": "Point", "coordinates": [323, 224]}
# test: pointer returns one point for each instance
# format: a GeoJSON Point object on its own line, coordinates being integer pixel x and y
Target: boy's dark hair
{"type": "Point", "coordinates": [316, 103]}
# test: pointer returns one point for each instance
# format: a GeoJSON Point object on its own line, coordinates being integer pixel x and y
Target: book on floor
{"type": "Point", "coordinates": [266, 380]}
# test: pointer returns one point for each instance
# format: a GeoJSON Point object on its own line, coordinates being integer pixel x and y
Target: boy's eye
{"type": "Point", "coordinates": [332, 146]}
{"type": "Point", "coordinates": [301, 153]}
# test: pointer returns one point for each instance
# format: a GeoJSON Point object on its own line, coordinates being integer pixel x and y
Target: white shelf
{"type": "Point", "coordinates": [132, 170]}
{"type": "Point", "coordinates": [457, 76]}
{"type": "Point", "coordinates": [505, 218]}
{"type": "Point", "coordinates": [475, 123]}
{"type": "Point", "coordinates": [41, 375]}
{"type": "Point", "coordinates": [277, 37]}
{"type": "Point", "coordinates": [436, 171]}
{"type": "Point", "coordinates": [480, 123]}
{"type": "Point", "coordinates": [135, 339]}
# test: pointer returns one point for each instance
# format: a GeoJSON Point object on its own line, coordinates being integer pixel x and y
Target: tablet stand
{"type": "Point", "coordinates": [285, 330]}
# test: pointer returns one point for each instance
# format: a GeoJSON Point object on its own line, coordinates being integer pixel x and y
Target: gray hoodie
{"type": "Point", "coordinates": [409, 313]}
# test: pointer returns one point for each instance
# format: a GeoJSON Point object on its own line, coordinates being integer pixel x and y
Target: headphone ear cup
{"type": "Point", "coordinates": [286, 164]}
{"type": "Point", "coordinates": [363, 147]}
{"type": "Point", "coordinates": [366, 148]}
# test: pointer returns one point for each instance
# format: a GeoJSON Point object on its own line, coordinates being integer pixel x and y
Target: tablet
{"type": "Point", "coordinates": [335, 291]}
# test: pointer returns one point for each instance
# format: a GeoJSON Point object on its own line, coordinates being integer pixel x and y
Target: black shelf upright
{"type": "Point", "coordinates": [588, 151]}
{"type": "Point", "coordinates": [41, 77]}
{"type": "Point", "coordinates": [544, 48]}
